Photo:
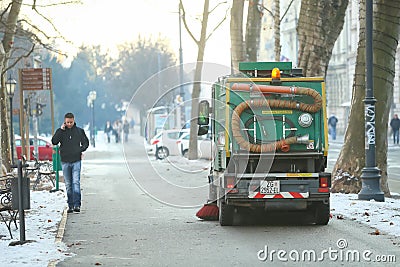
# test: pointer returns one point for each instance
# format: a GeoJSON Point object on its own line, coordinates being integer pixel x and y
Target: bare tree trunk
{"type": "Point", "coordinates": [277, 30]}
{"type": "Point", "coordinates": [347, 170]}
{"type": "Point", "coordinates": [201, 44]}
{"type": "Point", "coordinates": [253, 30]}
{"type": "Point", "coordinates": [320, 24]}
{"type": "Point", "coordinates": [5, 51]}
{"type": "Point", "coordinates": [236, 30]}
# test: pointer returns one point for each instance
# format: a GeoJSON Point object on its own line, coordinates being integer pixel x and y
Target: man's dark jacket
{"type": "Point", "coordinates": [73, 142]}
{"type": "Point", "coordinates": [395, 124]}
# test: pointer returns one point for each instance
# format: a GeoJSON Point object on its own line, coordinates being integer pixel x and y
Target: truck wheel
{"type": "Point", "coordinates": [226, 213]}
{"type": "Point", "coordinates": [322, 213]}
{"type": "Point", "coordinates": [162, 153]}
{"type": "Point", "coordinates": [185, 153]}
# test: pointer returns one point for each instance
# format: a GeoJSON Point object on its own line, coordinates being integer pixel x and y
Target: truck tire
{"type": "Point", "coordinates": [162, 153]}
{"type": "Point", "coordinates": [226, 213]}
{"type": "Point", "coordinates": [322, 213]}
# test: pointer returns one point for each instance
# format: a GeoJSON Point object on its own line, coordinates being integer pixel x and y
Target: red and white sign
{"type": "Point", "coordinates": [280, 195]}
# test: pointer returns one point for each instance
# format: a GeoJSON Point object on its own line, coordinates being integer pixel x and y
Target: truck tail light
{"type": "Point", "coordinates": [155, 142]}
{"type": "Point", "coordinates": [230, 184]}
{"type": "Point", "coordinates": [324, 183]}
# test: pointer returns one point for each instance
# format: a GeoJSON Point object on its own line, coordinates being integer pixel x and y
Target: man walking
{"type": "Point", "coordinates": [332, 126]}
{"type": "Point", "coordinates": [395, 124]}
{"type": "Point", "coordinates": [73, 141]}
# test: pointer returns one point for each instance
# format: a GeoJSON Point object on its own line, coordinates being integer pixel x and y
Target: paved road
{"type": "Point", "coordinates": [120, 225]}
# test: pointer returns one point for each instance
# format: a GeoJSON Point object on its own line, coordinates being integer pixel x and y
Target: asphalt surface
{"type": "Point", "coordinates": [132, 216]}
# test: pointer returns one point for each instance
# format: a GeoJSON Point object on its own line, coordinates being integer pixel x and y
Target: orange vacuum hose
{"type": "Point", "coordinates": [272, 103]}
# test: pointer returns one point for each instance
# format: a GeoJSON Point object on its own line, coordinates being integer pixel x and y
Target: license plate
{"type": "Point", "coordinates": [270, 187]}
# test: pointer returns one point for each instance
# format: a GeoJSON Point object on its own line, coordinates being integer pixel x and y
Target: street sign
{"type": "Point", "coordinates": [35, 79]}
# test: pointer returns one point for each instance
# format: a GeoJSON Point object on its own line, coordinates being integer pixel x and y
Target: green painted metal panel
{"type": "Point", "coordinates": [283, 66]}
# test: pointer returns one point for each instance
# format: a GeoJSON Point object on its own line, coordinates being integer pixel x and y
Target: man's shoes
{"type": "Point", "coordinates": [77, 209]}
{"type": "Point", "coordinates": [70, 210]}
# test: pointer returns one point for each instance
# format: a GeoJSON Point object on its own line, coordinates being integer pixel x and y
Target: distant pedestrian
{"type": "Point", "coordinates": [73, 141]}
{"type": "Point", "coordinates": [133, 125]}
{"type": "Point", "coordinates": [332, 121]}
{"type": "Point", "coordinates": [117, 126]}
{"type": "Point", "coordinates": [395, 124]}
{"type": "Point", "coordinates": [125, 128]}
{"type": "Point", "coordinates": [108, 130]}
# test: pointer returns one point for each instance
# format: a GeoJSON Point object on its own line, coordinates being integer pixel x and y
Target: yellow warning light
{"type": "Point", "coordinates": [276, 73]}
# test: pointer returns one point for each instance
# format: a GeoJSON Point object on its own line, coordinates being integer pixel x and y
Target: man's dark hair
{"type": "Point", "coordinates": [69, 115]}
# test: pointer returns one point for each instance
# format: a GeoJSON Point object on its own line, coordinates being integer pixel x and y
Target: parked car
{"type": "Point", "coordinates": [45, 148]}
{"type": "Point", "coordinates": [165, 142]}
{"type": "Point", "coordinates": [205, 146]}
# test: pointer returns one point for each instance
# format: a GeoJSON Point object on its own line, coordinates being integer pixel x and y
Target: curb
{"type": "Point", "coordinates": [61, 227]}
{"type": "Point", "coordinates": [60, 234]}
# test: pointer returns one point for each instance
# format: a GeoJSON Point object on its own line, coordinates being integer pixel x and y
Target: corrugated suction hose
{"type": "Point", "coordinates": [272, 103]}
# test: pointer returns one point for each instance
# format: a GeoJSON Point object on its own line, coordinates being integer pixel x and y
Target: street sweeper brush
{"type": "Point", "coordinates": [209, 212]}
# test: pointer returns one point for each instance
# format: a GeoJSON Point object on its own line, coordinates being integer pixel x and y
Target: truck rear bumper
{"type": "Point", "coordinates": [276, 204]}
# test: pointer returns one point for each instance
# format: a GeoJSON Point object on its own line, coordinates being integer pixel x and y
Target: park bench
{"type": "Point", "coordinates": [39, 171]}
{"type": "Point", "coordinates": [7, 214]}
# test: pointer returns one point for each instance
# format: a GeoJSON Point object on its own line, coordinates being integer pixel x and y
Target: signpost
{"type": "Point", "coordinates": [31, 79]}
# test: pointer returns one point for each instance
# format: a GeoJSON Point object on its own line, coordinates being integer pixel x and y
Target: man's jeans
{"type": "Point", "coordinates": [72, 178]}
{"type": "Point", "coordinates": [396, 136]}
{"type": "Point", "coordinates": [333, 132]}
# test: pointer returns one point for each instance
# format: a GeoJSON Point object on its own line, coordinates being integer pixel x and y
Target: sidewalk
{"type": "Point", "coordinates": [42, 226]}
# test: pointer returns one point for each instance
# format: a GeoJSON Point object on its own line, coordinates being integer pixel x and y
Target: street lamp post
{"type": "Point", "coordinates": [370, 173]}
{"type": "Point", "coordinates": [10, 86]}
{"type": "Point", "coordinates": [91, 98]}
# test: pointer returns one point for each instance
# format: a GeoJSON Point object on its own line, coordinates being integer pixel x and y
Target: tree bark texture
{"type": "Point", "coordinates": [236, 30]}
{"type": "Point", "coordinates": [277, 30]}
{"type": "Point", "coordinates": [7, 43]}
{"type": "Point", "coordinates": [320, 23]}
{"type": "Point", "coordinates": [351, 160]}
{"type": "Point", "coordinates": [253, 30]}
{"type": "Point", "coordinates": [197, 83]}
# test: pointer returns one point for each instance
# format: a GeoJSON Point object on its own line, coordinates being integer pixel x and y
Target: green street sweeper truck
{"type": "Point", "coordinates": [269, 125]}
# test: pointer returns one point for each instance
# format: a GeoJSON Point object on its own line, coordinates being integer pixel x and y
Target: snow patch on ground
{"type": "Point", "coordinates": [383, 216]}
{"type": "Point", "coordinates": [41, 226]}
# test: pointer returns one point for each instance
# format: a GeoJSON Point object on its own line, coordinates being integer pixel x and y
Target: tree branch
{"type": "Point", "coordinates": [10, 66]}
{"type": "Point", "coordinates": [216, 6]}
{"type": "Point", "coordinates": [266, 9]}
{"type": "Point", "coordinates": [287, 9]}
{"type": "Point", "coordinates": [34, 27]}
{"type": "Point", "coordinates": [34, 5]}
{"type": "Point", "coordinates": [48, 21]}
{"type": "Point", "coordinates": [185, 23]}
{"type": "Point", "coordinates": [218, 25]}
{"type": "Point", "coordinates": [5, 11]}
